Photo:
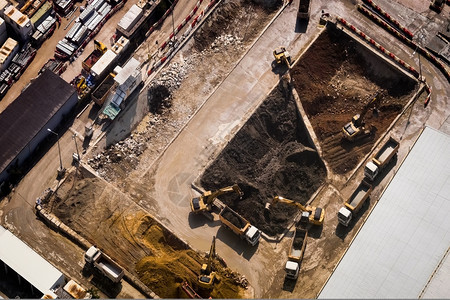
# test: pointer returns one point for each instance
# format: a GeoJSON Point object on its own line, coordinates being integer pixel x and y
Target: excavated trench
{"type": "Point", "coordinates": [335, 79]}
{"type": "Point", "coordinates": [271, 155]}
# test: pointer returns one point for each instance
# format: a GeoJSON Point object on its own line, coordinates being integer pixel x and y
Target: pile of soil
{"type": "Point", "coordinates": [335, 79]}
{"type": "Point", "coordinates": [298, 242]}
{"type": "Point", "coordinates": [271, 155]}
{"type": "Point", "coordinates": [223, 21]}
{"type": "Point", "coordinates": [235, 220]}
{"type": "Point", "coordinates": [131, 237]}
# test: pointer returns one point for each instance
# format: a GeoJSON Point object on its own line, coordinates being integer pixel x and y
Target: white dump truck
{"type": "Point", "coordinates": [381, 159]}
{"type": "Point", "coordinates": [104, 264]}
{"type": "Point", "coordinates": [354, 203]}
{"type": "Point", "coordinates": [240, 225]}
{"type": "Point", "coordinates": [296, 253]}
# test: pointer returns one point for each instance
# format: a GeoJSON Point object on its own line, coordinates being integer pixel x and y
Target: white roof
{"type": "Point", "coordinates": [407, 234]}
{"type": "Point", "coordinates": [30, 265]}
{"type": "Point", "coordinates": [130, 18]}
{"type": "Point", "coordinates": [103, 62]}
{"type": "Point", "coordinates": [127, 70]}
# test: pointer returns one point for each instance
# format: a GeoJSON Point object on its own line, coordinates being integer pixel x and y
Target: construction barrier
{"type": "Point", "coordinates": [371, 41]}
{"type": "Point", "coordinates": [389, 18]}
{"type": "Point", "coordinates": [186, 33]}
{"type": "Point", "coordinates": [413, 45]}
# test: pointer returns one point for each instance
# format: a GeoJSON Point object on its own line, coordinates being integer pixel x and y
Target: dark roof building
{"type": "Point", "coordinates": [24, 123]}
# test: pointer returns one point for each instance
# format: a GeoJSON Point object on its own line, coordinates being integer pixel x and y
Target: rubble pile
{"type": "Point", "coordinates": [127, 150]}
{"type": "Point", "coordinates": [241, 280]}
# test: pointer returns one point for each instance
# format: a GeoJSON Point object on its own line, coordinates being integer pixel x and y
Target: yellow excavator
{"type": "Point", "coordinates": [207, 276]}
{"type": "Point", "coordinates": [282, 56]}
{"type": "Point", "coordinates": [203, 203]}
{"type": "Point", "coordinates": [316, 214]}
{"type": "Point", "coordinates": [356, 128]}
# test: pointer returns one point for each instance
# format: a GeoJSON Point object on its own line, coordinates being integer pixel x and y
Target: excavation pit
{"type": "Point", "coordinates": [335, 78]}
{"type": "Point", "coordinates": [271, 155]}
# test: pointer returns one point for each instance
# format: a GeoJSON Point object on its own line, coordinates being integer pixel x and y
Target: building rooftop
{"type": "Point", "coordinates": [406, 237]}
{"type": "Point", "coordinates": [30, 112]}
{"type": "Point", "coordinates": [27, 263]}
{"type": "Point", "coordinates": [15, 15]}
{"type": "Point", "coordinates": [6, 49]}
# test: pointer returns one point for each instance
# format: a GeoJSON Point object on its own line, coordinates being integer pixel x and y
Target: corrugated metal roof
{"type": "Point", "coordinates": [30, 265]}
{"type": "Point", "coordinates": [29, 113]}
{"type": "Point", "coordinates": [408, 232]}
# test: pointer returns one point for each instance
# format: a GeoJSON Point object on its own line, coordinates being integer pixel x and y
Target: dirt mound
{"type": "Point", "coordinates": [335, 79]}
{"type": "Point", "coordinates": [269, 156]}
{"type": "Point", "coordinates": [222, 20]}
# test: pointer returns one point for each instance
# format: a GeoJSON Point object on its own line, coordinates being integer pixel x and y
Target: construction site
{"type": "Point", "coordinates": [240, 167]}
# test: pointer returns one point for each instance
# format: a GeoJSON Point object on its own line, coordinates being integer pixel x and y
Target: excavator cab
{"type": "Point", "coordinates": [281, 55]}
{"type": "Point", "coordinates": [356, 128]}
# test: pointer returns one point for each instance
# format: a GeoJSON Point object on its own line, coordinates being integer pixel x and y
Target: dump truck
{"type": "Point", "coordinates": [239, 225]}
{"type": "Point", "coordinates": [104, 264]}
{"type": "Point", "coordinates": [304, 8]}
{"type": "Point", "coordinates": [99, 50]}
{"type": "Point", "coordinates": [296, 253]}
{"type": "Point", "coordinates": [354, 203]}
{"type": "Point", "coordinates": [101, 93]}
{"type": "Point", "coordinates": [381, 159]}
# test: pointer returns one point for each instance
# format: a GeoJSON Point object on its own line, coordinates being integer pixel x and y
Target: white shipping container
{"type": "Point", "coordinates": [130, 18]}
{"type": "Point", "coordinates": [103, 63]}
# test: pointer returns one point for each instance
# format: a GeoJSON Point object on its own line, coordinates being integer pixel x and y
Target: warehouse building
{"type": "Point", "coordinates": [24, 122]}
{"type": "Point", "coordinates": [402, 249]}
{"type": "Point", "coordinates": [25, 272]}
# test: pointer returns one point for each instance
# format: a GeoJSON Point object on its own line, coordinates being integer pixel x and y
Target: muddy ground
{"type": "Point", "coordinates": [271, 155]}
{"type": "Point", "coordinates": [134, 239]}
{"type": "Point", "coordinates": [335, 78]}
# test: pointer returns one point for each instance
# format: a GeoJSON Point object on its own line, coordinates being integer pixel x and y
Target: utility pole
{"type": "Point", "coordinates": [61, 169]}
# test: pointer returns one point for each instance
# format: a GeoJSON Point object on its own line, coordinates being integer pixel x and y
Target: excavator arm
{"type": "Point", "coordinates": [203, 203]}
{"type": "Point", "coordinates": [316, 214]}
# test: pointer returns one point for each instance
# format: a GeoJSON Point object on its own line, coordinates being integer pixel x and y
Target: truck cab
{"type": "Point", "coordinates": [371, 170]}
{"type": "Point", "coordinates": [292, 269]}
{"type": "Point", "coordinates": [91, 254]}
{"type": "Point", "coordinates": [253, 235]}
{"type": "Point", "coordinates": [344, 216]}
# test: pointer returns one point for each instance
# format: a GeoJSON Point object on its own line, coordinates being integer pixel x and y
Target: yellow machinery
{"type": "Point", "coordinates": [356, 128]}
{"type": "Point", "coordinates": [282, 56]}
{"type": "Point", "coordinates": [204, 202]}
{"type": "Point", "coordinates": [316, 214]}
{"type": "Point", "coordinates": [207, 276]}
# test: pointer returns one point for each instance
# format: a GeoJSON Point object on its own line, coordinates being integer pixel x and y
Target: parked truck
{"type": "Point", "coordinates": [239, 225]}
{"type": "Point", "coordinates": [354, 203]}
{"type": "Point", "coordinates": [296, 253]}
{"type": "Point", "coordinates": [304, 8]}
{"type": "Point", "coordinates": [381, 159]}
{"type": "Point", "coordinates": [99, 50]}
{"type": "Point", "coordinates": [104, 264]}
{"type": "Point", "coordinates": [101, 93]}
